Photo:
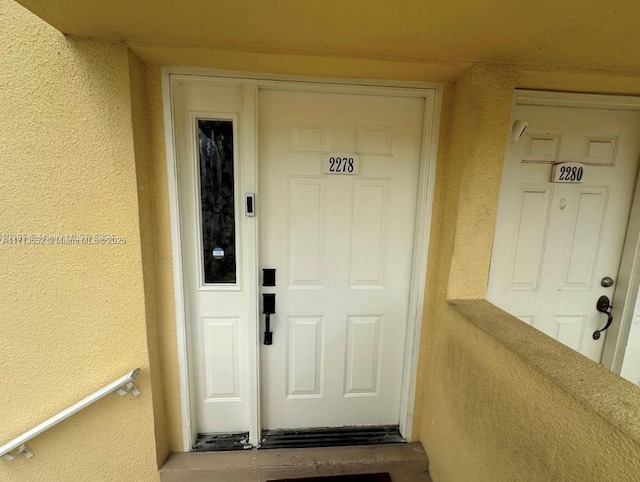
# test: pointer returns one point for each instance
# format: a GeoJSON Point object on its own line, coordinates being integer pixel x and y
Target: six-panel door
{"type": "Point", "coordinates": [555, 242]}
{"type": "Point", "coordinates": [342, 247]}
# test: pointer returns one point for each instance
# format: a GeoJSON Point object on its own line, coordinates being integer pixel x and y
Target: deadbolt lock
{"type": "Point", "coordinates": [606, 282]}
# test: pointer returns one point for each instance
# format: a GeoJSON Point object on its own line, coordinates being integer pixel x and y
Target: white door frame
{"type": "Point", "coordinates": [628, 277]}
{"type": "Point", "coordinates": [432, 93]}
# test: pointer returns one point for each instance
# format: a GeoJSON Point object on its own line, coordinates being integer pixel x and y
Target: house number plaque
{"type": "Point", "coordinates": [568, 172]}
{"type": "Point", "coordinates": [341, 164]}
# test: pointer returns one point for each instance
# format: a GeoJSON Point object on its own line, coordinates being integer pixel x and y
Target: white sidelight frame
{"type": "Point", "coordinates": [431, 93]}
{"type": "Point", "coordinates": [628, 276]}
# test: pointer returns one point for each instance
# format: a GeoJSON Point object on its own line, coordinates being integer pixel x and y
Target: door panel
{"type": "Point", "coordinates": [306, 231]}
{"type": "Point", "coordinates": [342, 247]}
{"type": "Point", "coordinates": [555, 242]}
{"type": "Point", "coordinates": [208, 125]}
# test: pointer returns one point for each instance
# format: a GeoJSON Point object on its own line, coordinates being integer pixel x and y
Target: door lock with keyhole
{"type": "Point", "coordinates": [606, 282]}
{"type": "Point", "coordinates": [603, 305]}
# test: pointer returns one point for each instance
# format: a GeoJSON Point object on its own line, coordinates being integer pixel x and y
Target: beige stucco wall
{"type": "Point", "coordinates": [73, 316]}
{"type": "Point", "coordinates": [166, 313]}
{"type": "Point", "coordinates": [146, 189]}
{"type": "Point", "coordinates": [83, 151]}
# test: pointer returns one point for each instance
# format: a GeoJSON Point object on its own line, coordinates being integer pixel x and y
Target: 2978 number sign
{"type": "Point", "coordinates": [341, 164]}
{"type": "Point", "coordinates": [572, 172]}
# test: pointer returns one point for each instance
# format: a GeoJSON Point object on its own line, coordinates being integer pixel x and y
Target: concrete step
{"type": "Point", "coordinates": [405, 462]}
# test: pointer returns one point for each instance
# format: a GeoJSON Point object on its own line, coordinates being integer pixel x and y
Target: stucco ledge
{"type": "Point", "coordinates": [599, 390]}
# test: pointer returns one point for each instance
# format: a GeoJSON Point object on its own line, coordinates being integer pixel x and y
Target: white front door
{"type": "Point", "coordinates": [342, 247]}
{"type": "Point", "coordinates": [555, 242]}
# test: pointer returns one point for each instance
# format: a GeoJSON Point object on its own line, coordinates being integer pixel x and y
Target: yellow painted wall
{"type": "Point", "coordinates": [500, 401]}
{"type": "Point", "coordinates": [83, 151]}
{"type": "Point", "coordinates": [307, 65]}
{"type": "Point", "coordinates": [166, 313]}
{"type": "Point", "coordinates": [146, 190]}
{"type": "Point", "coordinates": [73, 316]}
{"type": "Point", "coordinates": [582, 33]}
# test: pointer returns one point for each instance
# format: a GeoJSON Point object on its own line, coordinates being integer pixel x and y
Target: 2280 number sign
{"type": "Point", "coordinates": [572, 172]}
{"type": "Point", "coordinates": [341, 164]}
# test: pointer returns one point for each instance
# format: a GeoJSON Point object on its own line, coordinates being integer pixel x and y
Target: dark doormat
{"type": "Point", "coordinates": [384, 477]}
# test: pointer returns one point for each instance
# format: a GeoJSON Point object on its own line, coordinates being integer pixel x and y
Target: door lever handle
{"type": "Point", "coordinates": [603, 306]}
{"type": "Point", "coordinates": [268, 309]}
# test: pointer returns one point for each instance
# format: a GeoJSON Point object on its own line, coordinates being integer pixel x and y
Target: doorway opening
{"type": "Point", "coordinates": [566, 242]}
{"type": "Point", "coordinates": [301, 286]}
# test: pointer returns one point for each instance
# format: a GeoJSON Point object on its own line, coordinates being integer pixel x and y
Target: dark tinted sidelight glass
{"type": "Point", "coordinates": [215, 139]}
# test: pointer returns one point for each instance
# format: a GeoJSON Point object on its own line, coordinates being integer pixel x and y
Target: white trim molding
{"type": "Point", "coordinates": [424, 210]}
{"type": "Point", "coordinates": [186, 412]}
{"type": "Point", "coordinates": [568, 99]}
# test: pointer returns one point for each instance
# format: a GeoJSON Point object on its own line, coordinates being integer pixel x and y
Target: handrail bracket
{"type": "Point", "coordinates": [129, 388]}
{"type": "Point", "coordinates": [22, 450]}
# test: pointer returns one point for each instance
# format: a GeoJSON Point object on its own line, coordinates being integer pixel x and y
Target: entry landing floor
{"type": "Point", "coordinates": [404, 462]}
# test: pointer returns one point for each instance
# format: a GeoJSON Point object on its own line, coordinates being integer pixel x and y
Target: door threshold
{"type": "Point", "coordinates": [221, 442]}
{"type": "Point", "coordinates": [330, 437]}
{"type": "Point", "coordinates": [405, 462]}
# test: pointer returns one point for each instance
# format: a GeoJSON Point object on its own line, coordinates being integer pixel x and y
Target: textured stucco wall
{"type": "Point", "coordinates": [308, 65]}
{"type": "Point", "coordinates": [582, 33]}
{"type": "Point", "coordinates": [479, 138]}
{"type": "Point", "coordinates": [142, 150]}
{"type": "Point", "coordinates": [500, 401]}
{"type": "Point", "coordinates": [164, 268]}
{"type": "Point", "coordinates": [83, 152]}
{"type": "Point", "coordinates": [73, 316]}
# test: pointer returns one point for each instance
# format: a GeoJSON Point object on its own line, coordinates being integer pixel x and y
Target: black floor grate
{"type": "Point", "coordinates": [382, 477]}
{"type": "Point", "coordinates": [329, 437]}
{"type": "Point", "coordinates": [218, 442]}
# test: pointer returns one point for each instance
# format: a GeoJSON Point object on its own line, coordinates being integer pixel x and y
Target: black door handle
{"type": "Point", "coordinates": [268, 308]}
{"type": "Point", "coordinates": [603, 306]}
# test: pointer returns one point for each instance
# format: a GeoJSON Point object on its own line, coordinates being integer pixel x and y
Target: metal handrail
{"type": "Point", "coordinates": [17, 446]}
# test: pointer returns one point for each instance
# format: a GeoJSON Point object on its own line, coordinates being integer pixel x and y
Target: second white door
{"type": "Point", "coordinates": [342, 247]}
{"type": "Point", "coordinates": [555, 242]}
